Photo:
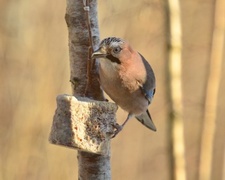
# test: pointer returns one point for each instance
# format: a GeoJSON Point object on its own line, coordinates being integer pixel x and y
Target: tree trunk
{"type": "Point", "coordinates": [84, 76]}
{"type": "Point", "coordinates": [211, 101]}
{"type": "Point", "coordinates": [174, 90]}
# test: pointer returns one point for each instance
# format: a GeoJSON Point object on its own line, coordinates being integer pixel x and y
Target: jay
{"type": "Point", "coordinates": [128, 79]}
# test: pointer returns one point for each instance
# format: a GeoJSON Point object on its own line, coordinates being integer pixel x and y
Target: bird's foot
{"type": "Point", "coordinates": [117, 128]}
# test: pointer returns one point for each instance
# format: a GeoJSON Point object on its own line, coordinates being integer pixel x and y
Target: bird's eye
{"type": "Point", "coordinates": [116, 50]}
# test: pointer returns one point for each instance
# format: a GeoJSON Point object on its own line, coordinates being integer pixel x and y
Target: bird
{"type": "Point", "coordinates": [128, 79]}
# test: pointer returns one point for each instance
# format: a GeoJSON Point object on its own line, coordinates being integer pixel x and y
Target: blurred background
{"type": "Point", "coordinates": [34, 69]}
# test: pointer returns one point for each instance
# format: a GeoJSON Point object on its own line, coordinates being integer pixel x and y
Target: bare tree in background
{"type": "Point", "coordinates": [176, 132]}
{"type": "Point", "coordinates": [212, 91]}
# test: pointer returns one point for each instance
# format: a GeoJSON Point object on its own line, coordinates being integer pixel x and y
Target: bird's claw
{"type": "Point", "coordinates": [117, 128]}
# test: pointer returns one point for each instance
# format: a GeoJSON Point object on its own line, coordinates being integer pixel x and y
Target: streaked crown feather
{"type": "Point", "coordinates": [109, 40]}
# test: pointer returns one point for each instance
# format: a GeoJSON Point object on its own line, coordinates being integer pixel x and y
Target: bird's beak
{"type": "Point", "coordinates": [98, 54]}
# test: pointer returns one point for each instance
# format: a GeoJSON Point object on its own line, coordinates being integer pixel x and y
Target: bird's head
{"type": "Point", "coordinates": [113, 49]}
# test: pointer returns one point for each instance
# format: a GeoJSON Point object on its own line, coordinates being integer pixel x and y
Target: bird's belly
{"type": "Point", "coordinates": [133, 102]}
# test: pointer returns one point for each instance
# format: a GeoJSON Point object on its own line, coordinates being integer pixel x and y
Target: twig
{"type": "Point", "coordinates": [91, 49]}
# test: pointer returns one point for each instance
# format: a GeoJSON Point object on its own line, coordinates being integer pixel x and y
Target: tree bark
{"type": "Point", "coordinates": [91, 166]}
{"type": "Point", "coordinates": [79, 49]}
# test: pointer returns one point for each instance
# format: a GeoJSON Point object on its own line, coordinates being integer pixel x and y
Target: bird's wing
{"type": "Point", "coordinates": [149, 94]}
{"type": "Point", "coordinates": [148, 87]}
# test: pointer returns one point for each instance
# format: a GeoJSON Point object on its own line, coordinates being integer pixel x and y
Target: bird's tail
{"type": "Point", "coordinates": [146, 120]}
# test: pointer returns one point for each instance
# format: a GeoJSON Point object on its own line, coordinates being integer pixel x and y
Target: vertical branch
{"type": "Point", "coordinates": [79, 28]}
{"type": "Point", "coordinates": [81, 19]}
{"type": "Point", "coordinates": [176, 131]}
{"type": "Point", "coordinates": [209, 126]}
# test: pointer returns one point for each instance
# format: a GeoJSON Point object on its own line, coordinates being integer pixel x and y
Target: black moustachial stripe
{"type": "Point", "coordinates": [113, 59]}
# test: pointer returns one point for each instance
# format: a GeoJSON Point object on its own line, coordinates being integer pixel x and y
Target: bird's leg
{"type": "Point", "coordinates": [120, 127]}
